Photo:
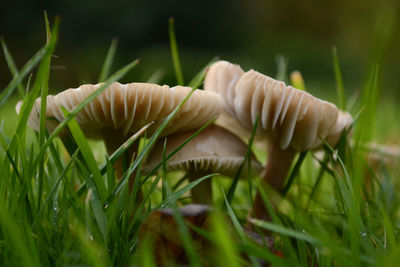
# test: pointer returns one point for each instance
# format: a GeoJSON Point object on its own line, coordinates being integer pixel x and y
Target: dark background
{"type": "Point", "coordinates": [251, 33]}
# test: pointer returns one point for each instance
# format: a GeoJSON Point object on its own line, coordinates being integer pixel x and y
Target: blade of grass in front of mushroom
{"type": "Point", "coordinates": [105, 70]}
{"type": "Point", "coordinates": [44, 84]}
{"type": "Point", "coordinates": [173, 197]}
{"type": "Point", "coordinates": [293, 174]}
{"type": "Point", "coordinates": [155, 169]}
{"type": "Point", "coordinates": [116, 76]}
{"type": "Point", "coordinates": [12, 67]}
{"type": "Point", "coordinates": [95, 201]}
{"type": "Point", "coordinates": [88, 156]}
{"type": "Point", "coordinates": [339, 80]}
{"type": "Point", "coordinates": [174, 52]}
{"type": "Point", "coordinates": [233, 217]}
{"type": "Point", "coordinates": [247, 159]}
{"type": "Point", "coordinates": [70, 144]}
{"type": "Point", "coordinates": [95, 182]}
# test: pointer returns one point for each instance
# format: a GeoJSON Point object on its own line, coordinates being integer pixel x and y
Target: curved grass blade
{"type": "Point", "coordinates": [12, 66]}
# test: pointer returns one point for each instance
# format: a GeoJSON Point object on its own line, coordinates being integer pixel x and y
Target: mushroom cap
{"type": "Point", "coordinates": [128, 107]}
{"type": "Point", "coordinates": [221, 78]}
{"type": "Point", "coordinates": [212, 150]}
{"type": "Point", "coordinates": [294, 117]}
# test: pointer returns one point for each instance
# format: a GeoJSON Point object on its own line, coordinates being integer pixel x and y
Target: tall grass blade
{"type": "Point", "coordinates": [44, 84]}
{"type": "Point", "coordinates": [105, 70]}
{"type": "Point", "coordinates": [339, 80]}
{"type": "Point", "coordinates": [174, 52]}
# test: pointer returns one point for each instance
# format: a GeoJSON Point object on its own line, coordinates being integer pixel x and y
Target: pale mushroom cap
{"type": "Point", "coordinates": [221, 78]}
{"type": "Point", "coordinates": [295, 118]}
{"type": "Point", "coordinates": [212, 150]}
{"type": "Point", "coordinates": [128, 107]}
{"type": "Point", "coordinates": [343, 122]}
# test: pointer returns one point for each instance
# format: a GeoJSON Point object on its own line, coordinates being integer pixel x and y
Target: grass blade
{"type": "Point", "coordinates": [87, 154]}
{"type": "Point", "coordinates": [284, 231]}
{"type": "Point", "coordinates": [173, 197]}
{"type": "Point", "coordinates": [174, 52]}
{"type": "Point", "coordinates": [339, 80]}
{"type": "Point", "coordinates": [105, 70]}
{"type": "Point", "coordinates": [294, 172]}
{"type": "Point", "coordinates": [247, 157]}
{"type": "Point", "coordinates": [12, 66]}
{"type": "Point", "coordinates": [26, 69]}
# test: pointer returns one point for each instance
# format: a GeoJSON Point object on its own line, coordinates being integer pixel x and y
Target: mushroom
{"type": "Point", "coordinates": [122, 109]}
{"type": "Point", "coordinates": [214, 150]}
{"type": "Point", "coordinates": [292, 119]}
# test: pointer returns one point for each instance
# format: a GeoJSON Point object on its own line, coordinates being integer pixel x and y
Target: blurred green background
{"type": "Point", "coordinates": [252, 33]}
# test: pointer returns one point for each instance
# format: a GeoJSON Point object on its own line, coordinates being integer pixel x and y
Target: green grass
{"type": "Point", "coordinates": [67, 209]}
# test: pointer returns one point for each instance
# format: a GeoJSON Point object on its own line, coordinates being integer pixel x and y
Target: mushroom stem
{"type": "Point", "coordinates": [278, 165]}
{"type": "Point", "coordinates": [273, 175]}
{"type": "Point", "coordinates": [201, 193]}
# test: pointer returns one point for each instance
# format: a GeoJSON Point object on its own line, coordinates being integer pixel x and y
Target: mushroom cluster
{"type": "Point", "coordinates": [123, 109]}
{"type": "Point", "coordinates": [292, 120]}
